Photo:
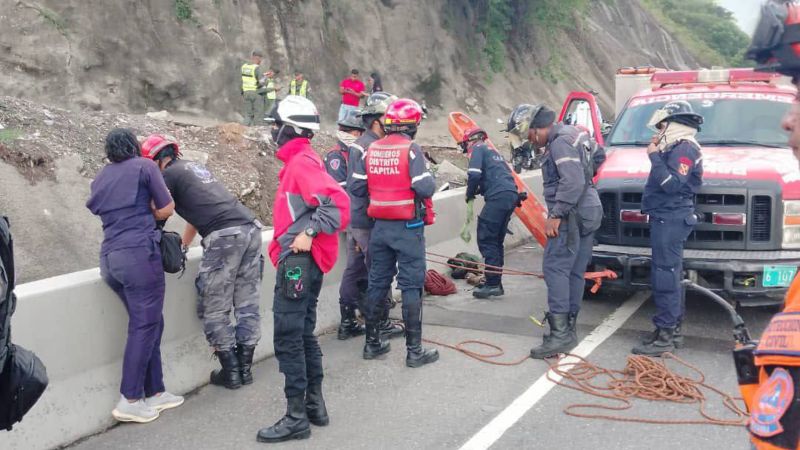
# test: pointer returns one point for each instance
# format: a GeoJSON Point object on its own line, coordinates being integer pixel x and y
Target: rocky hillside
{"type": "Point", "coordinates": [70, 70]}
{"type": "Point", "coordinates": [184, 55]}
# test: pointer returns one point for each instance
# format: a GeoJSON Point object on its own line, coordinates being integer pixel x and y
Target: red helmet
{"type": "Point", "coordinates": [155, 143]}
{"type": "Point", "coordinates": [403, 112]}
{"type": "Point", "coordinates": [472, 133]}
{"type": "Point", "coordinates": [776, 41]}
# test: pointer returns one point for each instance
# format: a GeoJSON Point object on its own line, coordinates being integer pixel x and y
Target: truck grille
{"type": "Point", "coordinates": [756, 234]}
{"type": "Point", "coordinates": [761, 218]}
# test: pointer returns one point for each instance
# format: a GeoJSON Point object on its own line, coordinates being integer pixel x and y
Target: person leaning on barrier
{"type": "Point", "coordinates": [129, 195]}
{"type": "Point", "coordinates": [229, 277]}
{"type": "Point", "coordinates": [775, 405]}
{"type": "Point", "coordinates": [574, 214]}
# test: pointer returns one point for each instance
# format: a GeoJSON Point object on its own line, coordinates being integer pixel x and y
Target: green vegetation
{"type": "Point", "coordinates": [495, 30]}
{"type": "Point", "coordinates": [54, 19]}
{"type": "Point", "coordinates": [183, 10]}
{"type": "Point", "coordinates": [708, 30]}
{"type": "Point", "coordinates": [9, 135]}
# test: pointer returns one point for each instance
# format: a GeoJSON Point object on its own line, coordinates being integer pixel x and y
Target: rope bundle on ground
{"type": "Point", "coordinates": [438, 284]}
{"type": "Point", "coordinates": [644, 378]}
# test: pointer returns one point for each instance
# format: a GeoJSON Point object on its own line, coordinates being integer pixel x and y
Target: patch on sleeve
{"type": "Point", "coordinates": [773, 399]}
{"type": "Point", "coordinates": [335, 163]}
{"type": "Point", "coordinates": [684, 165]}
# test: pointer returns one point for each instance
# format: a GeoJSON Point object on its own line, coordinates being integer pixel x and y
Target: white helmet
{"type": "Point", "coordinates": [299, 112]}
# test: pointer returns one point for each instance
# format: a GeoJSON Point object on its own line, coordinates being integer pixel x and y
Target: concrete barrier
{"type": "Point", "coordinates": [77, 326]}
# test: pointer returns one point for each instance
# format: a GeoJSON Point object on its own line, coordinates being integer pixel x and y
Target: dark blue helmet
{"type": "Point", "coordinates": [679, 111]}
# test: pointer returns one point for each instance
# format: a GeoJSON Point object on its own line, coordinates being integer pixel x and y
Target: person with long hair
{"type": "Point", "coordinates": [375, 83]}
{"type": "Point", "coordinates": [129, 195]}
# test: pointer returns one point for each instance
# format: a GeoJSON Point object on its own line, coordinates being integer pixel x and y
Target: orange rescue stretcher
{"type": "Point", "coordinates": [532, 213]}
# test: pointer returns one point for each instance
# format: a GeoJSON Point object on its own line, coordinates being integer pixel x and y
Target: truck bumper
{"type": "Point", "coordinates": [735, 275]}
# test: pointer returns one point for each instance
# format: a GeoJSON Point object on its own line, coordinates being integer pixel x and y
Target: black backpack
{"type": "Point", "coordinates": [23, 377]}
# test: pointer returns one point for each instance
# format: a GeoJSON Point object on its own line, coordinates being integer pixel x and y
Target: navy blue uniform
{"type": "Point", "coordinates": [396, 249]}
{"type": "Point", "coordinates": [489, 175]}
{"type": "Point", "coordinates": [570, 196]}
{"type": "Point", "coordinates": [676, 175]}
{"type": "Point", "coordinates": [336, 163]}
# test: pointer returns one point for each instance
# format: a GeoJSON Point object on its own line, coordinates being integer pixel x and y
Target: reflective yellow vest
{"type": "Point", "coordinates": [249, 80]}
{"type": "Point", "coordinates": [303, 92]}
{"type": "Point", "coordinates": [271, 94]}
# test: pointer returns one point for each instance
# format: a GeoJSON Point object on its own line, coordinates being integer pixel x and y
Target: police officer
{"type": "Point", "coordinates": [229, 277]}
{"type": "Point", "coordinates": [270, 89]}
{"type": "Point", "coordinates": [490, 176]}
{"type": "Point", "coordinates": [310, 209]}
{"type": "Point", "coordinates": [251, 82]}
{"type": "Point", "coordinates": [676, 174]}
{"type": "Point", "coordinates": [299, 85]}
{"type": "Point", "coordinates": [574, 214]}
{"type": "Point", "coordinates": [394, 175]}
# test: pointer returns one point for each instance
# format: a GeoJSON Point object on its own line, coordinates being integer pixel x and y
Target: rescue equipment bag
{"type": "Point", "coordinates": [172, 257]}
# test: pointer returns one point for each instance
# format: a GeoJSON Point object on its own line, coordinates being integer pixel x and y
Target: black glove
{"type": "Point", "coordinates": [470, 198]}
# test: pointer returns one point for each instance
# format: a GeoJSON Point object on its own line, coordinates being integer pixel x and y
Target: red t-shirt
{"type": "Point", "coordinates": [356, 85]}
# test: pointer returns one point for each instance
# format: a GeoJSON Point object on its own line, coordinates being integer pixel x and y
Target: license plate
{"type": "Point", "coordinates": [778, 276]}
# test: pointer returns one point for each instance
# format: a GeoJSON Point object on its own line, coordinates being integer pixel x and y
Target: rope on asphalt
{"type": "Point", "coordinates": [492, 269]}
{"type": "Point", "coordinates": [644, 378]}
{"type": "Point", "coordinates": [488, 358]}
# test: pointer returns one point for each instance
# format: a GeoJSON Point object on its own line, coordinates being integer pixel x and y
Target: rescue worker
{"type": "Point", "coordinates": [310, 209]}
{"type": "Point", "coordinates": [574, 214]}
{"type": "Point", "coordinates": [676, 174]}
{"type": "Point", "coordinates": [253, 103]}
{"type": "Point", "coordinates": [394, 174]}
{"type": "Point", "coordinates": [270, 91]}
{"type": "Point", "coordinates": [775, 405]}
{"type": "Point", "coordinates": [299, 85]}
{"type": "Point", "coordinates": [336, 160]}
{"type": "Point", "coordinates": [230, 273]}
{"type": "Point", "coordinates": [353, 289]}
{"type": "Point", "coordinates": [490, 176]}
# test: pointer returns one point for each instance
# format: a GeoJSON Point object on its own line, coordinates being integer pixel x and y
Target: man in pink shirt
{"type": "Point", "coordinates": [352, 89]}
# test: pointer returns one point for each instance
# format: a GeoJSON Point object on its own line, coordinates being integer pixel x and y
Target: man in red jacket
{"type": "Point", "coordinates": [310, 208]}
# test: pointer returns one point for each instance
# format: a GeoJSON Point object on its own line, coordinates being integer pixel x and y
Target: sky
{"type": "Point", "coordinates": [745, 11]}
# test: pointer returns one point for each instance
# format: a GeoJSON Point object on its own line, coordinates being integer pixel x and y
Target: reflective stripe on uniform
{"type": "Point", "coordinates": [359, 176]}
{"type": "Point", "coordinates": [420, 177]}
{"type": "Point", "coordinates": [475, 170]}
{"type": "Point", "coordinates": [666, 179]}
{"type": "Point", "coordinates": [559, 161]}
{"type": "Point", "coordinates": [391, 202]}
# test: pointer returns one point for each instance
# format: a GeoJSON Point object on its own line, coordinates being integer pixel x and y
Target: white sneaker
{"type": "Point", "coordinates": [137, 412]}
{"type": "Point", "coordinates": [163, 401]}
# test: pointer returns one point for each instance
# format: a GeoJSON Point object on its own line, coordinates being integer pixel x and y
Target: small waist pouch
{"type": "Point", "coordinates": [297, 275]}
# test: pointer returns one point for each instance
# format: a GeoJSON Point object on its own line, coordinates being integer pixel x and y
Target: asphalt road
{"type": "Point", "coordinates": [384, 405]}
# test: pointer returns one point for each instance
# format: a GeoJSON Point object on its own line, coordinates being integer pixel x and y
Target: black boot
{"type": "Point", "coordinates": [349, 326]}
{"type": "Point", "coordinates": [387, 328]}
{"type": "Point", "coordinates": [572, 324]}
{"type": "Point", "coordinates": [230, 375]}
{"type": "Point", "coordinates": [315, 406]}
{"type": "Point", "coordinates": [374, 346]}
{"type": "Point", "coordinates": [560, 339]}
{"type": "Point", "coordinates": [486, 291]}
{"type": "Point", "coordinates": [294, 425]}
{"type": "Point", "coordinates": [244, 353]}
{"type": "Point", "coordinates": [417, 355]}
{"type": "Point", "coordinates": [662, 343]}
{"type": "Point", "coordinates": [677, 336]}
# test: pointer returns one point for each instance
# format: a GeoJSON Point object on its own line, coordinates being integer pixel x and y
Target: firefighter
{"type": "Point", "coordinates": [676, 174]}
{"type": "Point", "coordinates": [350, 128]}
{"type": "Point", "coordinates": [394, 174]}
{"type": "Point", "coordinates": [353, 288]}
{"type": "Point", "coordinates": [310, 209]}
{"type": "Point", "coordinates": [775, 406]}
{"type": "Point", "coordinates": [574, 214]}
{"type": "Point", "coordinates": [251, 83]}
{"type": "Point", "coordinates": [490, 176]}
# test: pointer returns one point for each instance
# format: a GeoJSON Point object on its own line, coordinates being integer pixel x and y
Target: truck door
{"type": "Point", "coordinates": [581, 109]}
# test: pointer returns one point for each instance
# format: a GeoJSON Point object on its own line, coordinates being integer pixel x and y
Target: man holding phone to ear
{"type": "Point", "coordinates": [676, 174]}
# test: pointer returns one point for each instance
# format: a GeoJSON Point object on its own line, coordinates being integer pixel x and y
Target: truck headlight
{"type": "Point", "coordinates": [791, 224]}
